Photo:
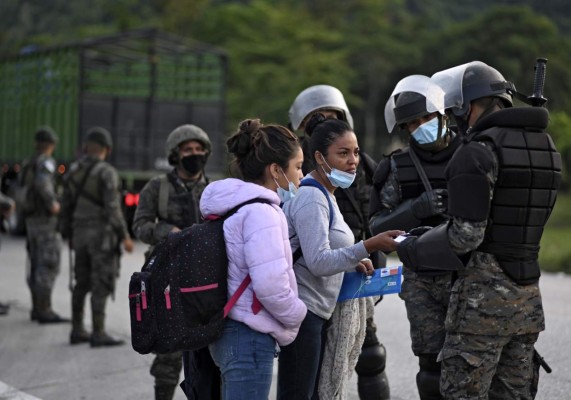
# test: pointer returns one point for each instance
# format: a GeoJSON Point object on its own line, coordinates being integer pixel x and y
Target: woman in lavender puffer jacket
{"type": "Point", "coordinates": [269, 313]}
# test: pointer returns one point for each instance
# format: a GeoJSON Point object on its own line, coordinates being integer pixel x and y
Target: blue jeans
{"type": "Point", "coordinates": [246, 359]}
{"type": "Point", "coordinates": [299, 362]}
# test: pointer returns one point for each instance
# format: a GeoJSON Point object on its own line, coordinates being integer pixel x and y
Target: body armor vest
{"type": "Point", "coordinates": [529, 173]}
{"type": "Point", "coordinates": [434, 165]}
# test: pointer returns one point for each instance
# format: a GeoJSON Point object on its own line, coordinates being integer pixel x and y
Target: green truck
{"type": "Point", "coordinates": [139, 85]}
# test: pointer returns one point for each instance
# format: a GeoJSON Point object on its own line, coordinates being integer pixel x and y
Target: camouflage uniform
{"type": "Point", "coordinates": [182, 210]}
{"type": "Point", "coordinates": [43, 239]}
{"type": "Point", "coordinates": [426, 295]}
{"type": "Point", "coordinates": [502, 185]}
{"type": "Point", "coordinates": [98, 227]}
{"type": "Point", "coordinates": [492, 322]}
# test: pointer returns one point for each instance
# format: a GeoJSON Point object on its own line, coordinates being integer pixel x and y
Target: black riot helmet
{"type": "Point", "coordinates": [409, 106]}
{"type": "Point", "coordinates": [474, 80]}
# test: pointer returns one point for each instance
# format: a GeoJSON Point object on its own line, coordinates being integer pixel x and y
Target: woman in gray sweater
{"type": "Point", "coordinates": [327, 251]}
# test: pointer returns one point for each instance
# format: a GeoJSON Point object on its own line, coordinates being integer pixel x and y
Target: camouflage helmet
{"type": "Point", "coordinates": [45, 134]}
{"type": "Point", "coordinates": [183, 134]}
{"type": "Point", "coordinates": [100, 136]}
{"type": "Point", "coordinates": [472, 81]}
{"type": "Point", "coordinates": [315, 98]}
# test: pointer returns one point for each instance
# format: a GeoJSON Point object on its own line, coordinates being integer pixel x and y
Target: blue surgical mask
{"type": "Point", "coordinates": [428, 132]}
{"type": "Point", "coordinates": [286, 195]}
{"type": "Point", "coordinates": [338, 178]}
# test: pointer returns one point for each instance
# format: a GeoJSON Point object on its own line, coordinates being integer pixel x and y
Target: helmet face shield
{"type": "Point", "coordinates": [317, 98]}
{"type": "Point", "coordinates": [421, 85]}
{"type": "Point", "coordinates": [467, 82]}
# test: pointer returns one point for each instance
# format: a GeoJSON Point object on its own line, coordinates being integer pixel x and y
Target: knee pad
{"type": "Point", "coordinates": [372, 360]}
{"type": "Point", "coordinates": [374, 387]}
{"type": "Point", "coordinates": [428, 378]}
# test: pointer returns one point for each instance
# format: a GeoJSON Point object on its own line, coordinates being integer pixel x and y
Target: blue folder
{"type": "Point", "coordinates": [383, 281]}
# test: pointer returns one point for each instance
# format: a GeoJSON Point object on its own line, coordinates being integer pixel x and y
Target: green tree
{"type": "Point", "coordinates": [275, 51]}
{"type": "Point", "coordinates": [509, 39]}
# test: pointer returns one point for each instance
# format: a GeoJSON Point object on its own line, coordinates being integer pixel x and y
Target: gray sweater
{"type": "Point", "coordinates": [327, 253]}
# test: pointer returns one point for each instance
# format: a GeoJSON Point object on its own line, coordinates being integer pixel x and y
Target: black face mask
{"type": "Point", "coordinates": [194, 163]}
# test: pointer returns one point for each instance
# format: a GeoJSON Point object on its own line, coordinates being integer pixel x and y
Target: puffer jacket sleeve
{"type": "Point", "coordinates": [268, 258]}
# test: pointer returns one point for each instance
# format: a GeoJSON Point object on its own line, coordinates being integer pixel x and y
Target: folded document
{"type": "Point", "coordinates": [383, 281]}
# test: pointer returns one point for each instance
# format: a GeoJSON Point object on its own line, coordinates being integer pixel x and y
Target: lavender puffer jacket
{"type": "Point", "coordinates": [257, 244]}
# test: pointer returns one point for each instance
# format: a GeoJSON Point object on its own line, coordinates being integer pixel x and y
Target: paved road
{"type": "Point", "coordinates": [36, 361]}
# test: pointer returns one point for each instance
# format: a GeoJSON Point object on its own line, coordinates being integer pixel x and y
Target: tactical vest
{"type": "Point", "coordinates": [524, 195]}
{"type": "Point", "coordinates": [184, 203]}
{"type": "Point", "coordinates": [434, 165]}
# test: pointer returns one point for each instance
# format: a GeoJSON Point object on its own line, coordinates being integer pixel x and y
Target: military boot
{"type": "Point", "coordinates": [99, 338]}
{"type": "Point", "coordinates": [164, 392]}
{"type": "Point", "coordinates": [34, 312]}
{"type": "Point", "coordinates": [45, 313]}
{"type": "Point", "coordinates": [78, 333]}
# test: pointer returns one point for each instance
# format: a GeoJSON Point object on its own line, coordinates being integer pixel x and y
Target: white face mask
{"type": "Point", "coordinates": [286, 195]}
{"type": "Point", "coordinates": [337, 177]}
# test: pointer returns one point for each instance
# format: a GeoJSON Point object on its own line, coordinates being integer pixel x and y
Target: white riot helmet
{"type": "Point", "coordinates": [413, 97]}
{"type": "Point", "coordinates": [318, 97]}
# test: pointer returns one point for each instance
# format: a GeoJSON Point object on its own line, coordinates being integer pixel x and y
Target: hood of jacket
{"type": "Point", "coordinates": [221, 196]}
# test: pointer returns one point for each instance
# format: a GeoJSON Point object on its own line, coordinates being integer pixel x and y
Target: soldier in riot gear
{"type": "Point", "coordinates": [353, 204]}
{"type": "Point", "coordinates": [502, 185]}
{"type": "Point", "coordinates": [169, 203]}
{"type": "Point", "coordinates": [409, 192]}
{"type": "Point", "coordinates": [93, 221]}
{"type": "Point", "coordinates": [41, 208]}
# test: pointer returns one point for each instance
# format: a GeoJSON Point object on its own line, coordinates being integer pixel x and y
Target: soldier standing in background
{"type": "Point", "coordinates": [170, 203]}
{"type": "Point", "coordinates": [93, 220]}
{"type": "Point", "coordinates": [41, 208]}
{"type": "Point", "coordinates": [410, 192]}
{"type": "Point", "coordinates": [7, 205]}
{"type": "Point", "coordinates": [353, 203]}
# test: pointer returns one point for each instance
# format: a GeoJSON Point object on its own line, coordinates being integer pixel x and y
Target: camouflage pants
{"type": "Point", "coordinates": [426, 300]}
{"type": "Point", "coordinates": [96, 268]}
{"type": "Point", "coordinates": [482, 367]}
{"type": "Point", "coordinates": [44, 248]}
{"type": "Point", "coordinates": [166, 368]}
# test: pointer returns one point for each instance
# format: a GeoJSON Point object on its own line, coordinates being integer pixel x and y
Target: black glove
{"type": "Point", "coordinates": [405, 251]}
{"type": "Point", "coordinates": [431, 203]}
{"type": "Point", "coordinates": [419, 231]}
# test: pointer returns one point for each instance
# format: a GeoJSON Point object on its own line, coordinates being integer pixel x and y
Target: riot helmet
{"type": "Point", "coordinates": [183, 134]}
{"type": "Point", "coordinates": [413, 97]}
{"type": "Point", "coordinates": [318, 97]}
{"type": "Point", "coordinates": [468, 82]}
{"type": "Point", "coordinates": [100, 136]}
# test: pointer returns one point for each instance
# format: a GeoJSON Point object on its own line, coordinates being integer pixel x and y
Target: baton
{"type": "Point", "coordinates": [537, 99]}
{"type": "Point", "coordinates": [541, 361]}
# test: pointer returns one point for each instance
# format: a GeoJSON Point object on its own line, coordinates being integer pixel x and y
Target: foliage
{"type": "Point", "coordinates": [555, 253]}
{"type": "Point", "coordinates": [560, 131]}
{"type": "Point", "coordinates": [271, 58]}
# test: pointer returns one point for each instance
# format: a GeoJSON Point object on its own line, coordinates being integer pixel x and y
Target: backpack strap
{"type": "Point", "coordinates": [234, 298]}
{"type": "Point", "coordinates": [232, 211]}
{"type": "Point", "coordinates": [312, 182]}
{"type": "Point", "coordinates": [163, 197]}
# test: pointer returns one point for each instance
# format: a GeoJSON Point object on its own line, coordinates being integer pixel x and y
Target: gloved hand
{"type": "Point", "coordinates": [431, 203]}
{"type": "Point", "coordinates": [419, 231]}
{"type": "Point", "coordinates": [406, 253]}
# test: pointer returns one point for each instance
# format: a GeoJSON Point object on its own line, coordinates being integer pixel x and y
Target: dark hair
{"type": "Point", "coordinates": [323, 132]}
{"type": "Point", "coordinates": [255, 145]}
